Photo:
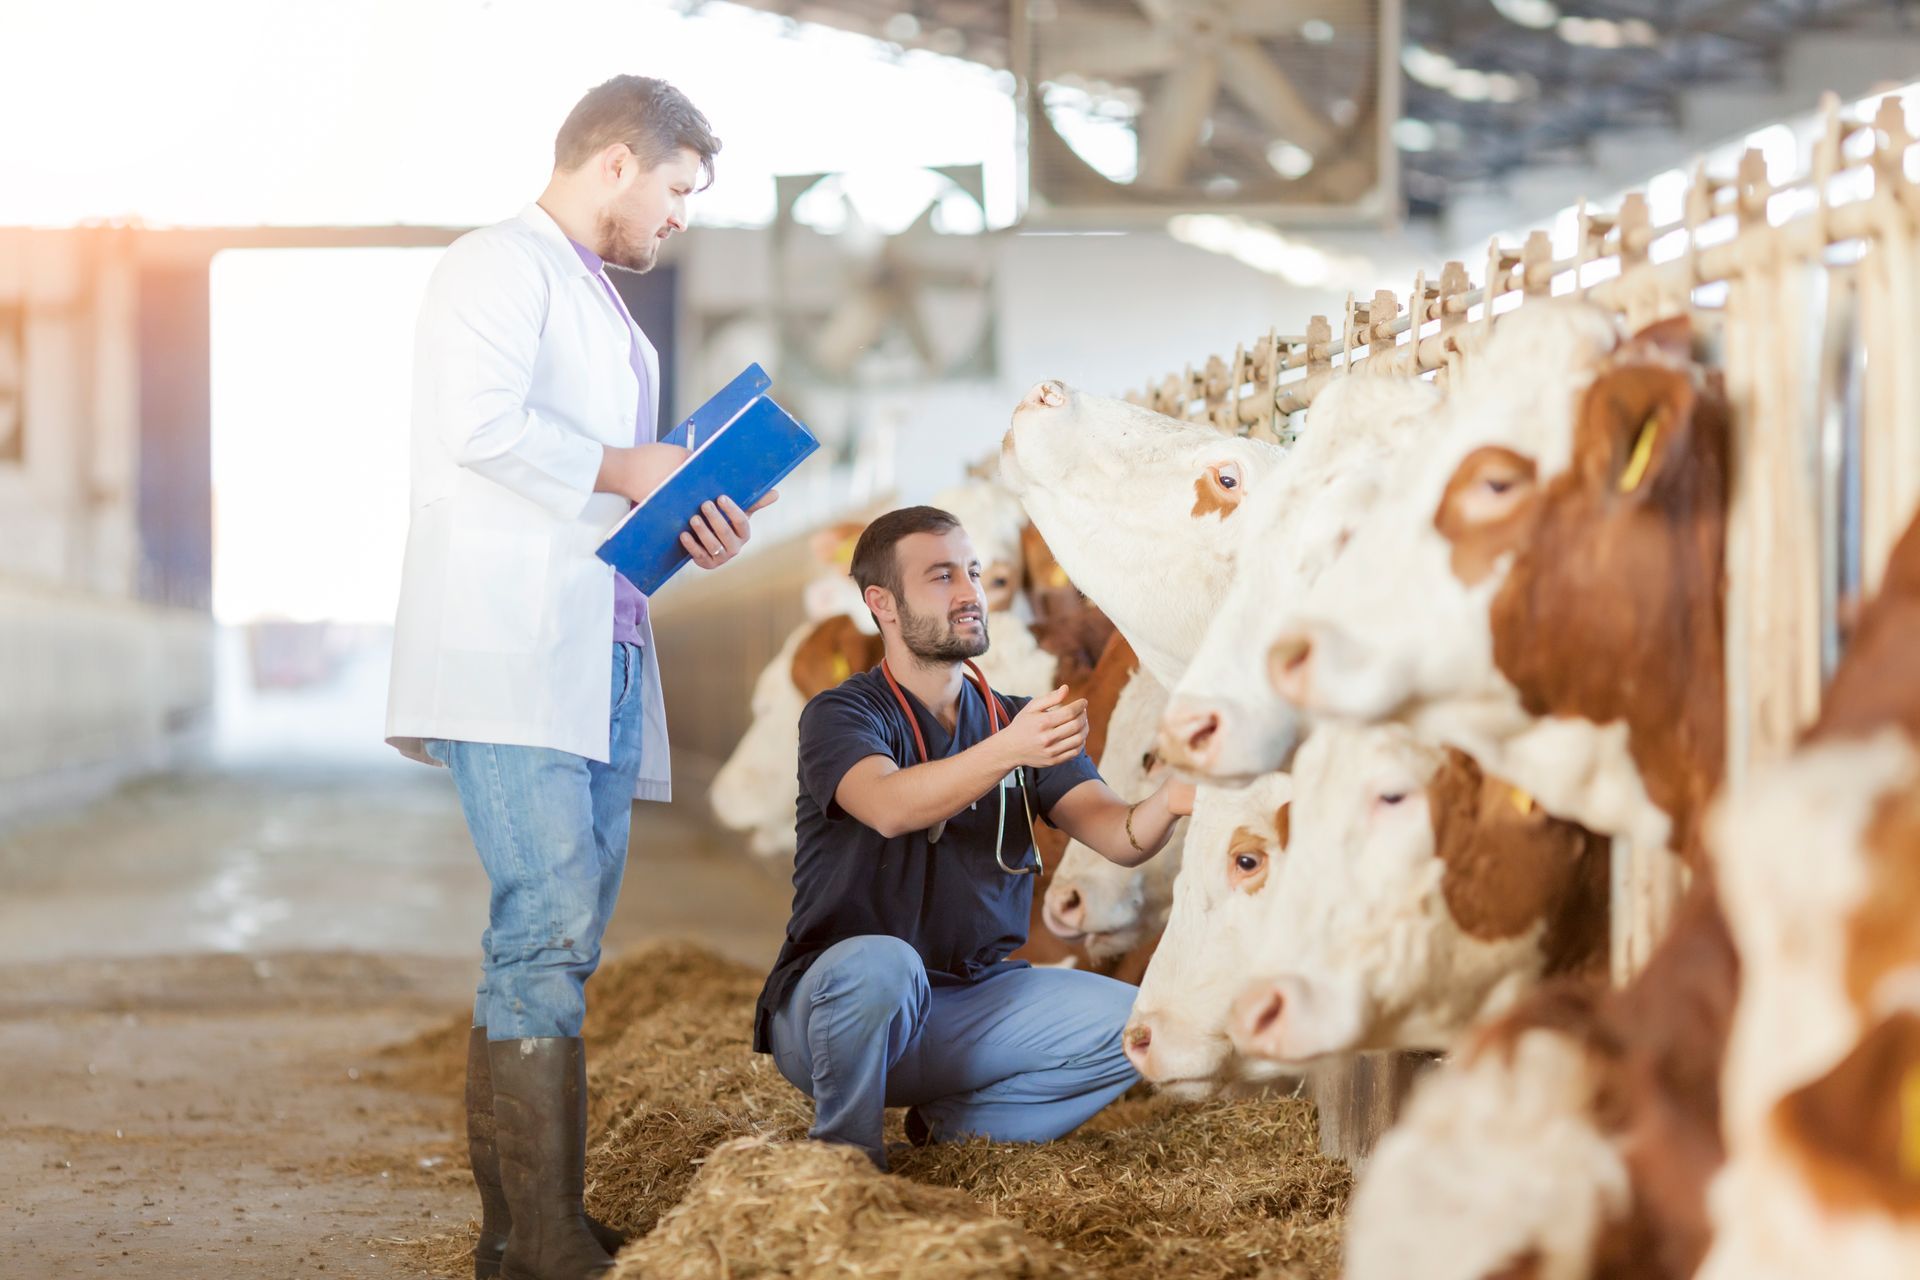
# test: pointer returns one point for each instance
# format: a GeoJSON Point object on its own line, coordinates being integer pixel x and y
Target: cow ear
{"type": "Point", "coordinates": [1633, 426]}
{"type": "Point", "coordinates": [1672, 337]}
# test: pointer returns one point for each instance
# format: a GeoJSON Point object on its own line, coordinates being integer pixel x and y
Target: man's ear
{"type": "Point", "coordinates": [880, 603]}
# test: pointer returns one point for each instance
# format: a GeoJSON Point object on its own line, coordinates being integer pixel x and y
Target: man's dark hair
{"type": "Point", "coordinates": [652, 117]}
{"type": "Point", "coordinates": [875, 562]}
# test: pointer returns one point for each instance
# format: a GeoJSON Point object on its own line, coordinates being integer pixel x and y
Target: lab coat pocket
{"type": "Point", "coordinates": [496, 598]}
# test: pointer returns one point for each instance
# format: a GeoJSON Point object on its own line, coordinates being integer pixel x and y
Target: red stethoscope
{"type": "Point", "coordinates": [996, 721]}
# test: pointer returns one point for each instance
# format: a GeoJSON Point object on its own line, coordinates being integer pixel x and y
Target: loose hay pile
{"type": "Point", "coordinates": [806, 1209]}
{"type": "Point", "coordinates": [1149, 1189]}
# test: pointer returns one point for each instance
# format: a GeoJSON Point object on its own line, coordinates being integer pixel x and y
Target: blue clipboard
{"type": "Point", "coordinates": [743, 444]}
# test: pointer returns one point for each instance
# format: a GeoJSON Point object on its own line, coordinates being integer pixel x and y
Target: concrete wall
{"type": "Point", "coordinates": [102, 674]}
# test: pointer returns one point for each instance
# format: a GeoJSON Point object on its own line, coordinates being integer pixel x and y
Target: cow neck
{"type": "Point", "coordinates": [1640, 637]}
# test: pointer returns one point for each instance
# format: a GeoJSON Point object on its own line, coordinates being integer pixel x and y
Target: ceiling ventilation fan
{"type": "Point", "coordinates": [1273, 106]}
{"type": "Point", "coordinates": [858, 304]}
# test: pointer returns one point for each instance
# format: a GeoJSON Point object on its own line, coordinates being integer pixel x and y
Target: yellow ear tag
{"type": "Point", "coordinates": [1642, 455]}
{"type": "Point", "coordinates": [1522, 802]}
{"type": "Point", "coordinates": [841, 667]}
{"type": "Point", "coordinates": [1058, 578]}
{"type": "Point", "coordinates": [1910, 1123]}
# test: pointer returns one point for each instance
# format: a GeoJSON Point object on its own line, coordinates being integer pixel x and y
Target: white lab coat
{"type": "Point", "coordinates": [504, 631]}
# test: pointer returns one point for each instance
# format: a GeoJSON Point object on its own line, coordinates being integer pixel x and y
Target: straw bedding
{"type": "Point", "coordinates": [699, 1146]}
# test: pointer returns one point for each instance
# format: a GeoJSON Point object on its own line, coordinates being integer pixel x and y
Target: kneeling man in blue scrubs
{"type": "Point", "coordinates": [914, 878]}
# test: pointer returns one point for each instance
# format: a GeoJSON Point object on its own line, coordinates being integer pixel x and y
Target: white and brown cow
{"type": "Point", "coordinates": [1418, 895]}
{"type": "Point", "coordinates": [1110, 909]}
{"type": "Point", "coordinates": [1177, 1036]}
{"type": "Point", "coordinates": [1225, 720]}
{"type": "Point", "coordinates": [1545, 591]}
{"type": "Point", "coordinates": [754, 789]}
{"type": "Point", "coordinates": [1139, 508]}
{"type": "Point", "coordinates": [1818, 860]}
{"type": "Point", "coordinates": [1570, 576]}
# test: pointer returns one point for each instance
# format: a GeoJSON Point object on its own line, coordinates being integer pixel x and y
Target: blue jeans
{"type": "Point", "coordinates": [551, 829]}
{"type": "Point", "coordinates": [1027, 1055]}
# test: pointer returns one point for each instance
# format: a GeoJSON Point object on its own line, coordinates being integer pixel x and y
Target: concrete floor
{"type": "Point", "coordinates": [196, 972]}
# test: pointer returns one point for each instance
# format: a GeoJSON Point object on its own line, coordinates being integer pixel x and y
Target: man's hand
{"type": "Point", "coordinates": [1048, 730]}
{"type": "Point", "coordinates": [634, 473]}
{"type": "Point", "coordinates": [720, 530]}
{"type": "Point", "coordinates": [1179, 797]}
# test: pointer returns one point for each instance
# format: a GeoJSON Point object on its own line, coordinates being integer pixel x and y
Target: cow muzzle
{"type": "Point", "coordinates": [1289, 1020]}
{"type": "Point", "coordinates": [1044, 395]}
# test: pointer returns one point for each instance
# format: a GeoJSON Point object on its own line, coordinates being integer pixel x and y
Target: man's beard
{"type": "Point", "coordinates": [621, 248]}
{"type": "Point", "coordinates": [933, 639]}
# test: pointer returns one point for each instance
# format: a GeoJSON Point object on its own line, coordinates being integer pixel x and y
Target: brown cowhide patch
{"type": "Point", "coordinates": [1614, 608]}
{"type": "Point", "coordinates": [1102, 689]}
{"type": "Point", "coordinates": [1488, 510]}
{"type": "Point", "coordinates": [1856, 1130]}
{"type": "Point", "coordinates": [1883, 934]}
{"type": "Point", "coordinates": [1510, 867]}
{"type": "Point", "coordinates": [1655, 1049]}
{"type": "Point", "coordinates": [1211, 498]}
{"type": "Point", "coordinates": [834, 650]}
{"type": "Point", "coordinates": [1283, 824]}
{"type": "Point", "coordinates": [1879, 683]}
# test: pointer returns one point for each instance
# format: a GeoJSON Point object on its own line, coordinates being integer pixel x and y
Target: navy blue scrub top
{"type": "Point", "coordinates": [950, 901]}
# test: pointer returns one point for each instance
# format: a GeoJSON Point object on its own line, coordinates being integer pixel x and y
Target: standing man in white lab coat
{"type": "Point", "coordinates": [521, 661]}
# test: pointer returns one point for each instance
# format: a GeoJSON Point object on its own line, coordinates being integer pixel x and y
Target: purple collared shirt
{"type": "Point", "coordinates": [629, 606]}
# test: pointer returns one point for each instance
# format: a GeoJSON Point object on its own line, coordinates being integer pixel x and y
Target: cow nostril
{"type": "Point", "coordinates": [1201, 732]}
{"type": "Point", "coordinates": [1268, 1012]}
{"type": "Point", "coordinates": [1045, 395]}
{"type": "Point", "coordinates": [1288, 663]}
{"type": "Point", "coordinates": [1138, 1039]}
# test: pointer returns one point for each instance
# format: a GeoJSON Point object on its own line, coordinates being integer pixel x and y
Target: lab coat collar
{"type": "Point", "coordinates": [554, 238]}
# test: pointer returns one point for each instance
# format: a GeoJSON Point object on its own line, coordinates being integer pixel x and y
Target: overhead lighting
{"type": "Point", "coordinates": [1601, 33]}
{"type": "Point", "coordinates": [1289, 160]}
{"type": "Point", "coordinates": [1317, 31]}
{"type": "Point", "coordinates": [1438, 71]}
{"type": "Point", "coordinates": [1537, 14]}
{"type": "Point", "coordinates": [1264, 249]}
{"type": "Point", "coordinates": [1410, 134]}
{"type": "Point", "coordinates": [1430, 67]}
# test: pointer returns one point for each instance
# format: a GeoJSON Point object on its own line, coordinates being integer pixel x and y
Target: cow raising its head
{"type": "Point", "coordinates": [1226, 721]}
{"type": "Point", "coordinates": [1140, 509]}
{"type": "Point", "coordinates": [1418, 893]}
{"type": "Point", "coordinates": [1548, 593]}
{"type": "Point", "coordinates": [1178, 1034]}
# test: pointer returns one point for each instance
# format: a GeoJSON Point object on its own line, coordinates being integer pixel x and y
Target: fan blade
{"type": "Point", "coordinates": [916, 328]}
{"type": "Point", "coordinates": [1170, 126]}
{"type": "Point", "coordinates": [1252, 78]}
{"type": "Point", "coordinates": [1100, 48]}
{"type": "Point", "coordinates": [855, 325]}
{"type": "Point", "coordinates": [1269, 18]}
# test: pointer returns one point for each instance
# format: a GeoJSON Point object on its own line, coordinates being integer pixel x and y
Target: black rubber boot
{"type": "Point", "coordinates": [495, 1219]}
{"type": "Point", "coordinates": [540, 1128]}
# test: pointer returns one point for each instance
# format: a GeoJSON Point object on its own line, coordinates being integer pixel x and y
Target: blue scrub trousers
{"type": "Point", "coordinates": [1026, 1055]}
{"type": "Point", "coordinates": [551, 828]}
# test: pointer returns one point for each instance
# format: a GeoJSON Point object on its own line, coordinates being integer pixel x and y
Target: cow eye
{"type": "Point", "coordinates": [1227, 475]}
{"type": "Point", "coordinates": [1498, 484]}
{"type": "Point", "coordinates": [1392, 797]}
{"type": "Point", "coordinates": [1248, 870]}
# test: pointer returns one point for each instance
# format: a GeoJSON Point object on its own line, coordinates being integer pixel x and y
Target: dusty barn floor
{"type": "Point", "coordinates": [196, 976]}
